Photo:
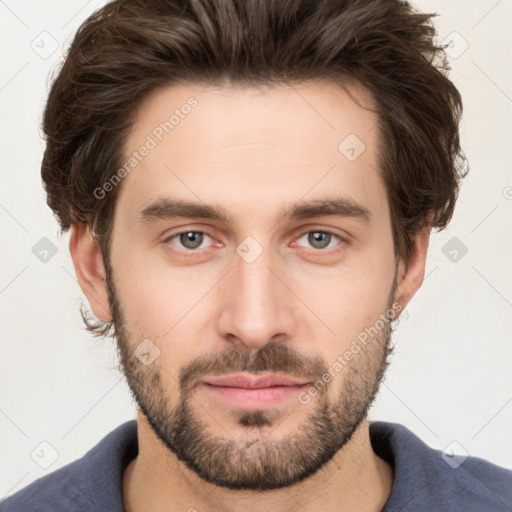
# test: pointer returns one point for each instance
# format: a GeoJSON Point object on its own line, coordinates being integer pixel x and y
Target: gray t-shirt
{"type": "Point", "coordinates": [424, 481]}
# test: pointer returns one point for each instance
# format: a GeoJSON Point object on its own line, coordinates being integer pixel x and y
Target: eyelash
{"type": "Point", "coordinates": [331, 250]}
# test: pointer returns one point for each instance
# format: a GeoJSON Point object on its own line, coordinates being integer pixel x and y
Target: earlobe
{"type": "Point", "coordinates": [410, 276]}
{"type": "Point", "coordinates": [90, 271]}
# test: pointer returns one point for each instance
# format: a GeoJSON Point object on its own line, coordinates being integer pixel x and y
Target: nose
{"type": "Point", "coordinates": [256, 304]}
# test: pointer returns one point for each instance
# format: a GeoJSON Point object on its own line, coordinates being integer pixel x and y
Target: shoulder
{"type": "Point", "coordinates": [90, 483]}
{"type": "Point", "coordinates": [428, 479]}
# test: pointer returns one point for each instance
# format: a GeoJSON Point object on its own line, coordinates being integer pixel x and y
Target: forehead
{"type": "Point", "coordinates": [223, 117]}
{"type": "Point", "coordinates": [253, 146]}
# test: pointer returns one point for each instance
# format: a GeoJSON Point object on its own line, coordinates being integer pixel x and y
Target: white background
{"type": "Point", "coordinates": [450, 379]}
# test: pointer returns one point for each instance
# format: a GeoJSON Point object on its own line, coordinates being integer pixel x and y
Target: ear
{"type": "Point", "coordinates": [90, 271]}
{"type": "Point", "coordinates": [411, 273]}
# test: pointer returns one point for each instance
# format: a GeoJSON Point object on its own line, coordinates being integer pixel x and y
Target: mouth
{"type": "Point", "coordinates": [253, 392]}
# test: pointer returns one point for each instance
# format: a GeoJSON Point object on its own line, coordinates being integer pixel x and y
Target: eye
{"type": "Point", "coordinates": [190, 240]}
{"type": "Point", "coordinates": [320, 240]}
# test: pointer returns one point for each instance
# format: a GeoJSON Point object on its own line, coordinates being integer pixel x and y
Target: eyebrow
{"type": "Point", "coordinates": [166, 208]}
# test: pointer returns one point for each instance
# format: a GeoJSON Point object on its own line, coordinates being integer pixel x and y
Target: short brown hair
{"type": "Point", "coordinates": [129, 48]}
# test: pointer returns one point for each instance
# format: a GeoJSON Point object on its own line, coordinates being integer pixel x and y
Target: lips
{"type": "Point", "coordinates": [254, 382]}
{"type": "Point", "coordinates": [253, 392]}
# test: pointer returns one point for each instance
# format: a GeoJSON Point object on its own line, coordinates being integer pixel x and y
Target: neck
{"type": "Point", "coordinates": [354, 479]}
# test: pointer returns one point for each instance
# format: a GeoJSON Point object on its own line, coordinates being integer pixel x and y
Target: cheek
{"type": "Point", "coordinates": [163, 307]}
{"type": "Point", "coordinates": [346, 310]}
{"type": "Point", "coordinates": [344, 301]}
{"type": "Point", "coordinates": [155, 297]}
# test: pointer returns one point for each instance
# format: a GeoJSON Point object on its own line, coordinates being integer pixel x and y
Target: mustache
{"type": "Point", "coordinates": [273, 357]}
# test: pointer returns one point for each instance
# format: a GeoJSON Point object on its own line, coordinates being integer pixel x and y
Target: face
{"type": "Point", "coordinates": [248, 241]}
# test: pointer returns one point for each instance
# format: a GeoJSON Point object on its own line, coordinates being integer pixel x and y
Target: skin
{"type": "Point", "coordinates": [293, 310]}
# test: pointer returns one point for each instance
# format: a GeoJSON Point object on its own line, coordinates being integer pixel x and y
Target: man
{"type": "Point", "coordinates": [250, 188]}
